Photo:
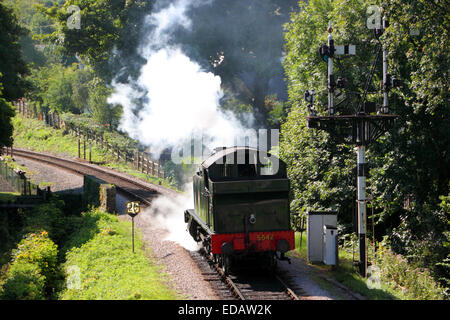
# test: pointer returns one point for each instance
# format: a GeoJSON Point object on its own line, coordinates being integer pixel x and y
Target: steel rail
{"type": "Point", "coordinates": [77, 167]}
{"type": "Point", "coordinates": [235, 288]}
{"type": "Point", "coordinates": [287, 289]}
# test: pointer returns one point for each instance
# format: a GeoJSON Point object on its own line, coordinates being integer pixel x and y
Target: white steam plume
{"type": "Point", "coordinates": [167, 213]}
{"type": "Point", "coordinates": [181, 97]}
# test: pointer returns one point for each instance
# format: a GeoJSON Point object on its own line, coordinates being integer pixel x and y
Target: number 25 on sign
{"type": "Point", "coordinates": [133, 208]}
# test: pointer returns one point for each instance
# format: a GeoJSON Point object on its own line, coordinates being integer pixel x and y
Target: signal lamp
{"type": "Point", "coordinates": [324, 52]}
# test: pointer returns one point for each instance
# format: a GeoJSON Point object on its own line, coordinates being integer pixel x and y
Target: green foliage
{"type": "Point", "coordinates": [60, 89]}
{"type": "Point", "coordinates": [24, 282]}
{"type": "Point", "coordinates": [321, 172]}
{"type": "Point", "coordinates": [178, 174]}
{"type": "Point", "coordinates": [48, 217]}
{"type": "Point", "coordinates": [107, 267]}
{"type": "Point", "coordinates": [242, 42]}
{"type": "Point", "coordinates": [35, 135]}
{"type": "Point", "coordinates": [414, 282]}
{"type": "Point", "coordinates": [12, 67]}
{"type": "Point", "coordinates": [7, 112]}
{"type": "Point", "coordinates": [321, 168]}
{"type": "Point", "coordinates": [28, 16]}
{"type": "Point", "coordinates": [411, 161]}
{"type": "Point", "coordinates": [102, 112]}
{"type": "Point", "coordinates": [34, 270]}
{"type": "Point", "coordinates": [105, 25]}
{"type": "Point", "coordinates": [275, 111]}
{"type": "Point", "coordinates": [33, 51]}
{"type": "Point", "coordinates": [87, 124]}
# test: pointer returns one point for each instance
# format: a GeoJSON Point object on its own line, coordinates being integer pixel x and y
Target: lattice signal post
{"type": "Point", "coordinates": [363, 127]}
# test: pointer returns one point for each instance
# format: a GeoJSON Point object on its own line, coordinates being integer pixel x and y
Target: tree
{"type": "Point", "coordinates": [103, 112]}
{"type": "Point", "coordinates": [6, 113]}
{"type": "Point", "coordinates": [108, 35]}
{"type": "Point", "coordinates": [321, 169]}
{"type": "Point", "coordinates": [241, 41]}
{"type": "Point", "coordinates": [414, 164]}
{"type": "Point", "coordinates": [60, 89]}
{"type": "Point", "coordinates": [12, 66]}
{"type": "Point", "coordinates": [409, 165]}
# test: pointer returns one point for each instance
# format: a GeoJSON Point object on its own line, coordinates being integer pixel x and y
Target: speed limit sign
{"type": "Point", "coordinates": [133, 208]}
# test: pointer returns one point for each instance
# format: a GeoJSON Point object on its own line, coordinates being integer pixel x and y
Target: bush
{"type": "Point", "coordinates": [24, 282]}
{"type": "Point", "coordinates": [415, 283]}
{"type": "Point", "coordinates": [33, 271]}
{"type": "Point", "coordinates": [48, 217]}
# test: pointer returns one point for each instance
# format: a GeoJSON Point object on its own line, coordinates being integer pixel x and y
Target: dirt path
{"type": "Point", "coordinates": [307, 277]}
{"type": "Point", "coordinates": [59, 180]}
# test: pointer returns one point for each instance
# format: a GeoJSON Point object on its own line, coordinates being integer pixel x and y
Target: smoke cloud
{"type": "Point", "coordinates": [180, 98]}
{"type": "Point", "coordinates": [167, 213]}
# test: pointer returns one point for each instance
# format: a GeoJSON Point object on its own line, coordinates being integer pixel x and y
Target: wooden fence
{"type": "Point", "coordinates": [141, 161]}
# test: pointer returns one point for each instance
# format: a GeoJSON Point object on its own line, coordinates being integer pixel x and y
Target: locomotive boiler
{"type": "Point", "coordinates": [241, 208]}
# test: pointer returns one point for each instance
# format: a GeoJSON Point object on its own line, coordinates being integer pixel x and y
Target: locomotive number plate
{"type": "Point", "coordinates": [262, 237]}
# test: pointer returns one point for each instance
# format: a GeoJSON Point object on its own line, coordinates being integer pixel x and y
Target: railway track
{"type": "Point", "coordinates": [134, 187]}
{"type": "Point", "coordinates": [244, 285]}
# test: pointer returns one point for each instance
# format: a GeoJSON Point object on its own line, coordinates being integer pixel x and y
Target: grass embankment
{"type": "Point", "coordinates": [35, 135]}
{"type": "Point", "coordinates": [392, 277]}
{"type": "Point", "coordinates": [101, 265]}
{"type": "Point", "coordinates": [59, 254]}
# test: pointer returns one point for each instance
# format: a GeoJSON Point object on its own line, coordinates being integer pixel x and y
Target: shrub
{"type": "Point", "coordinates": [414, 282]}
{"type": "Point", "coordinates": [33, 271]}
{"type": "Point", "coordinates": [48, 217]}
{"type": "Point", "coordinates": [24, 282]}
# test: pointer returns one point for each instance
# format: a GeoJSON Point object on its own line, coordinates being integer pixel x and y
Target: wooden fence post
{"type": "Point", "coordinates": [137, 159]}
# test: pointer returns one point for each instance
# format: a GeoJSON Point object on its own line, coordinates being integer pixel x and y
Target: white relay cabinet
{"type": "Point", "coordinates": [322, 234]}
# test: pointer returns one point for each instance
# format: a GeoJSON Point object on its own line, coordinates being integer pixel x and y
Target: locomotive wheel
{"type": "Point", "coordinates": [193, 231]}
{"type": "Point", "coordinates": [226, 262]}
{"type": "Point", "coordinates": [271, 262]}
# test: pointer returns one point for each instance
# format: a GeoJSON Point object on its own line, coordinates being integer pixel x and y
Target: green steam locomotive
{"type": "Point", "coordinates": [241, 199]}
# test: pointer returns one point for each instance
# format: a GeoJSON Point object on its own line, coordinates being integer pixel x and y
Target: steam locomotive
{"type": "Point", "coordinates": [241, 208]}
